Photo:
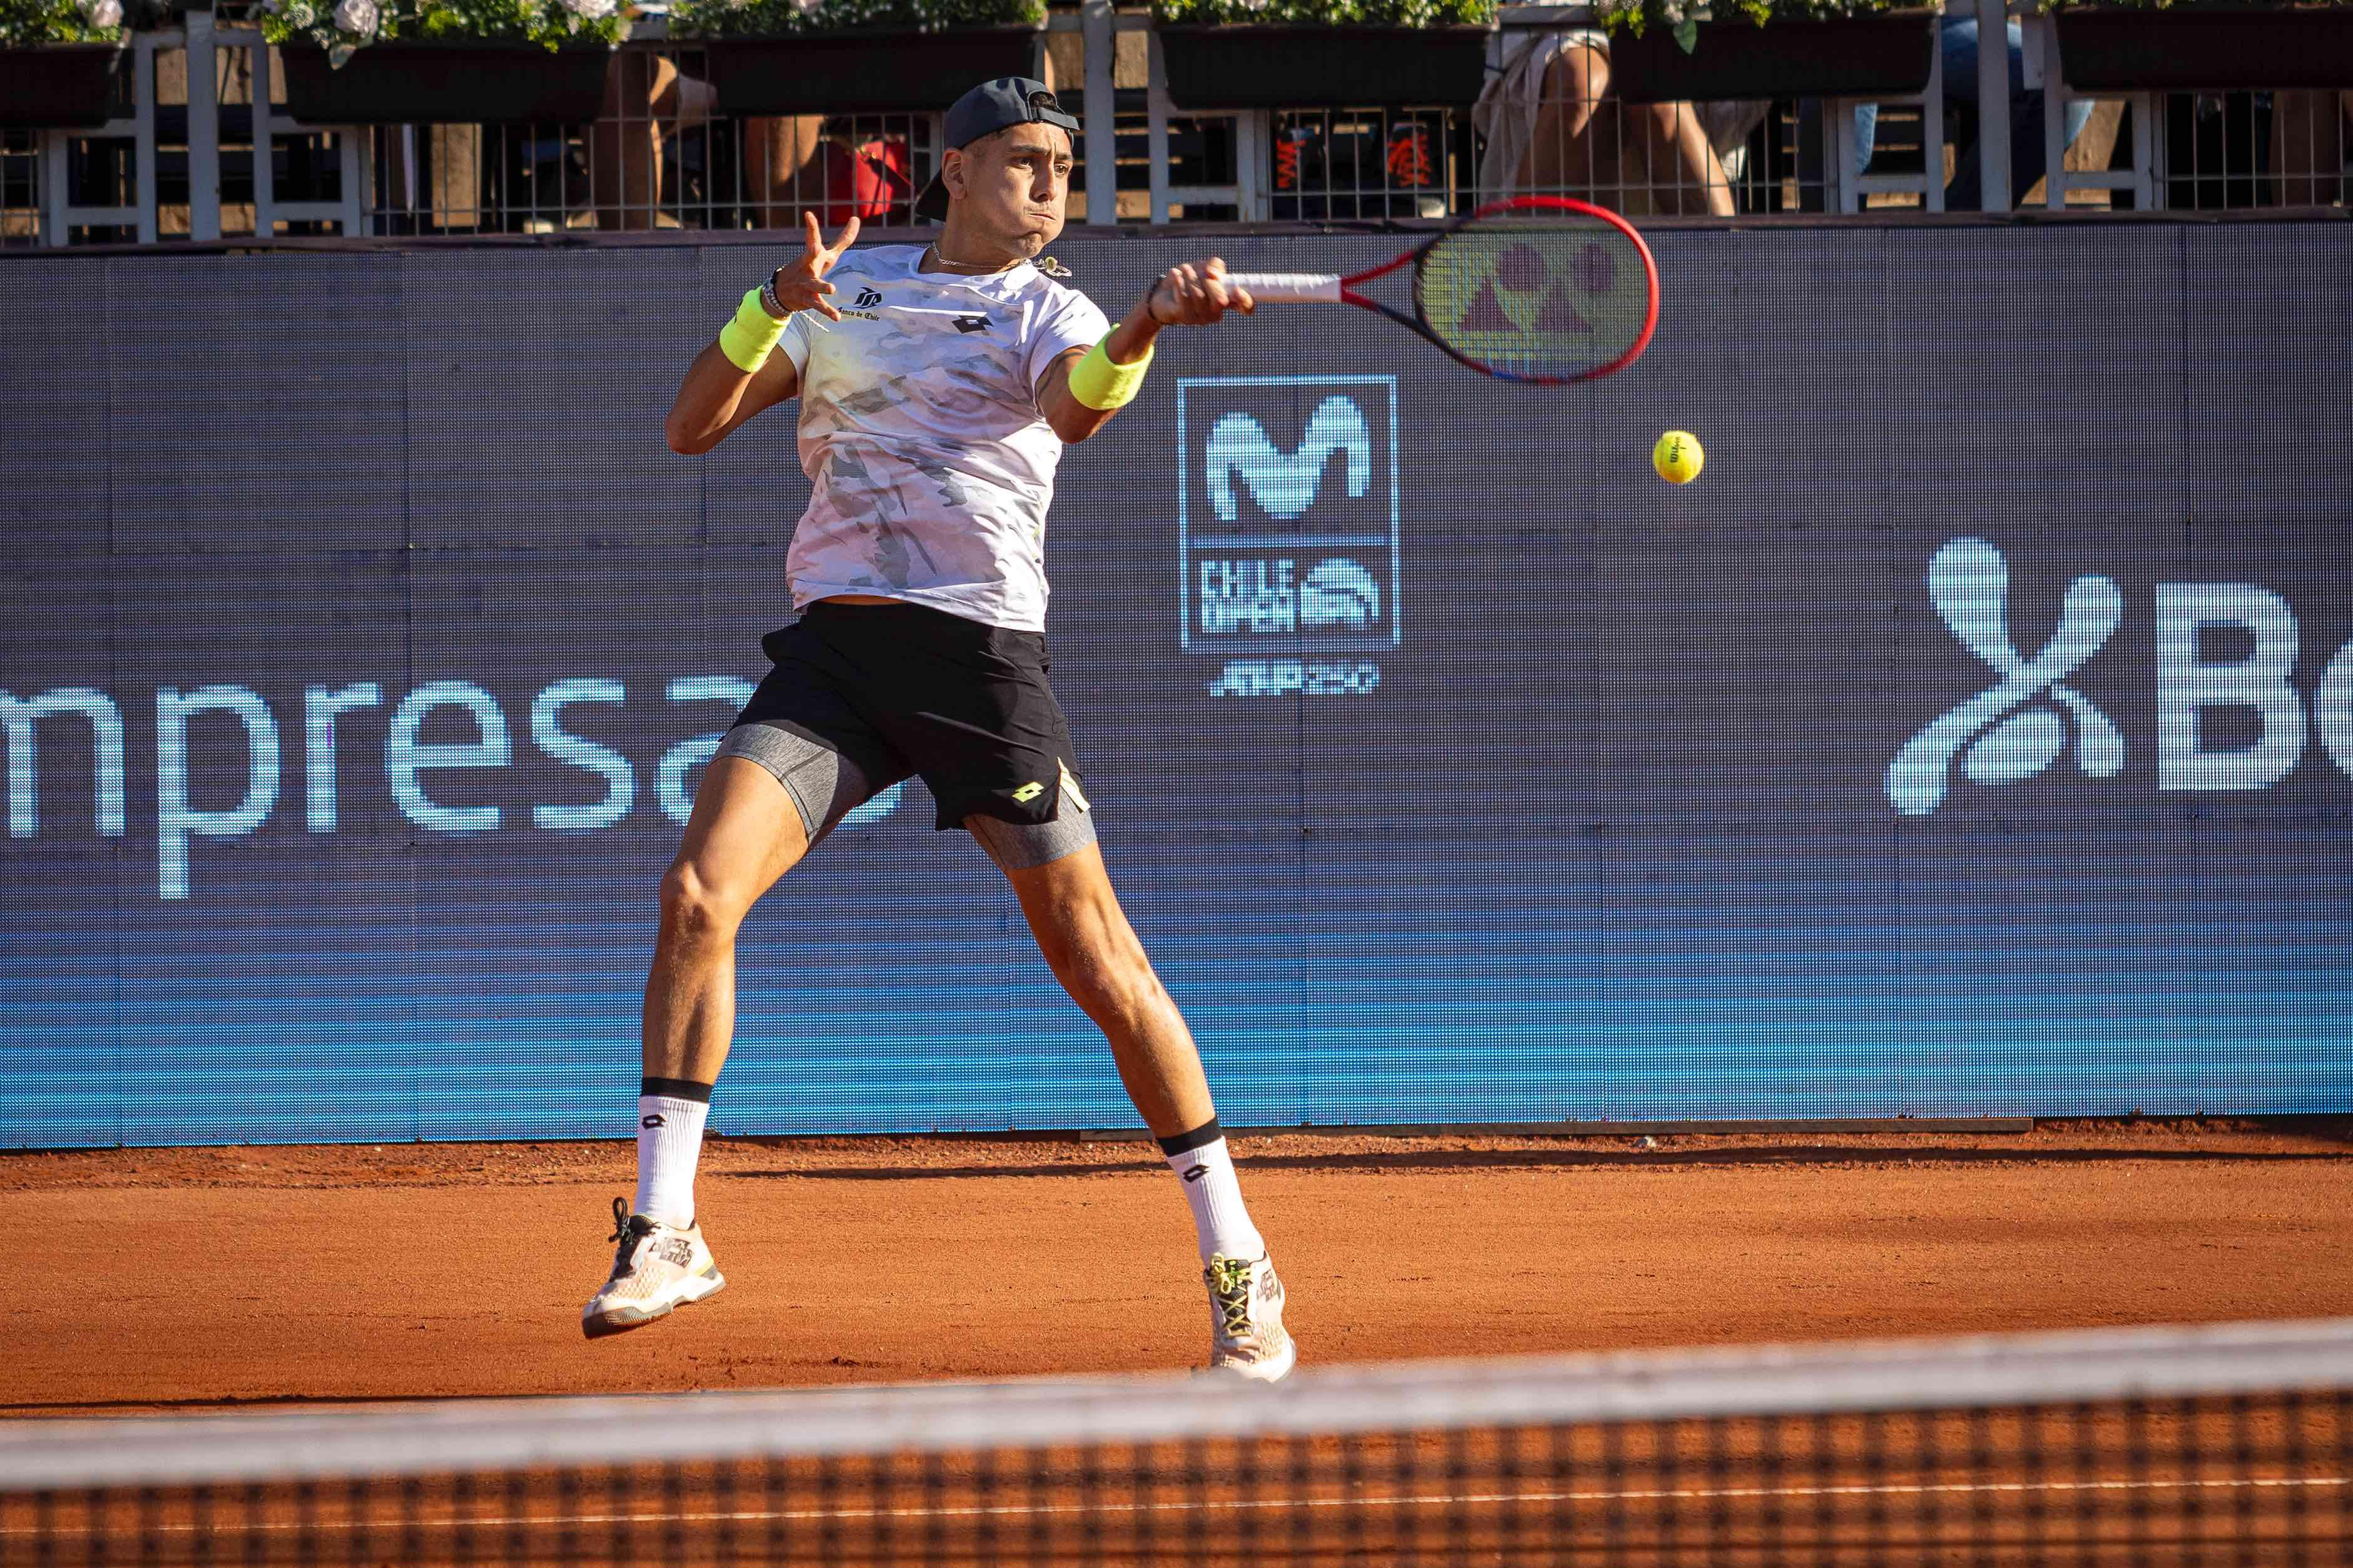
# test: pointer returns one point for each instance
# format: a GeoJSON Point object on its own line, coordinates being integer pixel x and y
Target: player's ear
{"type": "Point", "coordinates": [952, 171]}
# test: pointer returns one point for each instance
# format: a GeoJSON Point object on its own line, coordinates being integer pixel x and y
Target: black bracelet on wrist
{"type": "Point", "coordinates": [768, 300]}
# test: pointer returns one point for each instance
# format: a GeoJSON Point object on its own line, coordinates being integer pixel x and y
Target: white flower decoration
{"type": "Point", "coordinates": [355, 17]}
{"type": "Point", "coordinates": [589, 10]}
{"type": "Point", "coordinates": [103, 14]}
{"type": "Point", "coordinates": [299, 15]}
{"type": "Point", "coordinates": [806, 7]}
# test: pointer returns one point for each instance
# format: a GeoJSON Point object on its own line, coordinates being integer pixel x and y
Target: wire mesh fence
{"type": "Point", "coordinates": [2239, 150]}
{"type": "Point", "coordinates": [20, 187]}
{"type": "Point", "coordinates": [1371, 163]}
{"type": "Point", "coordinates": [657, 155]}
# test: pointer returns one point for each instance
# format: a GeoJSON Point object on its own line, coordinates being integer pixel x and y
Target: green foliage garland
{"type": "Point", "coordinates": [1326, 13]}
{"type": "Point", "coordinates": [340, 27]}
{"type": "Point", "coordinates": [769, 18]}
{"type": "Point", "coordinates": [27, 23]}
{"type": "Point", "coordinates": [1634, 15]}
{"type": "Point", "coordinates": [2195, 5]}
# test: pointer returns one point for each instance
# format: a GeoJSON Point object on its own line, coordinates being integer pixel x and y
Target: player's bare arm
{"type": "Point", "coordinates": [716, 397]}
{"type": "Point", "coordinates": [1185, 296]}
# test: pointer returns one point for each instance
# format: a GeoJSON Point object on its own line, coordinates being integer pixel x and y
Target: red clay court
{"type": "Point", "coordinates": [892, 1260]}
{"type": "Point", "coordinates": [216, 1277]}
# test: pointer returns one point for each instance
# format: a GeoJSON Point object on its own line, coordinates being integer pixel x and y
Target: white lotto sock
{"type": "Point", "coordinates": [670, 1142]}
{"type": "Point", "coordinates": [1215, 1195]}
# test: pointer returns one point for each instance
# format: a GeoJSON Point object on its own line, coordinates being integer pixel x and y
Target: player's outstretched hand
{"type": "Point", "coordinates": [1191, 296]}
{"type": "Point", "coordinates": [800, 285]}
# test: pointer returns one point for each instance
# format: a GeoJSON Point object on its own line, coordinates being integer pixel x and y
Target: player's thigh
{"type": "Point", "coordinates": [1071, 907]}
{"type": "Point", "coordinates": [744, 833]}
{"type": "Point", "coordinates": [800, 758]}
{"type": "Point", "coordinates": [1024, 850]}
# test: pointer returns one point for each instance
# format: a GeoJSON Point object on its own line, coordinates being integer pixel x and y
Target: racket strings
{"type": "Point", "coordinates": [1554, 297]}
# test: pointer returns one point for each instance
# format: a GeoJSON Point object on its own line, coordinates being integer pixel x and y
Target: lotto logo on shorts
{"type": "Point", "coordinates": [1288, 521]}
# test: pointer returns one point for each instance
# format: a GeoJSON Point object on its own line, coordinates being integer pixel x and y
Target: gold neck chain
{"type": "Point", "coordinates": [932, 256]}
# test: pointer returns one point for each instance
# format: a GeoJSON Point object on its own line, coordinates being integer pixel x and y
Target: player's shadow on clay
{"type": "Point", "coordinates": [1666, 1155]}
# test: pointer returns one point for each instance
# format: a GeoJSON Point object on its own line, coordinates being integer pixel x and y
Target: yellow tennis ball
{"type": "Point", "coordinates": [1677, 456]}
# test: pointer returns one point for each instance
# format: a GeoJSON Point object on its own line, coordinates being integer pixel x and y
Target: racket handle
{"type": "Point", "coordinates": [1289, 287]}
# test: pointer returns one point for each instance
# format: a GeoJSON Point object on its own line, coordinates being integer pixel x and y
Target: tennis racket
{"type": "Point", "coordinates": [1537, 288]}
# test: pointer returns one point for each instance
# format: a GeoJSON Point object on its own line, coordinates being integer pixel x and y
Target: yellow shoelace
{"type": "Point", "coordinates": [1230, 1286]}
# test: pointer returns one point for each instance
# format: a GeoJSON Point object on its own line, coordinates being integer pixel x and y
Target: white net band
{"type": "Point", "coordinates": [1979, 1372]}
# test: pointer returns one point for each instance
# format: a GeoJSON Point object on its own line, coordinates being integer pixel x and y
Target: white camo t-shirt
{"type": "Point", "coordinates": [920, 429]}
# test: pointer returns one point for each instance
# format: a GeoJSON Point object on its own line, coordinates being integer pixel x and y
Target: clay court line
{"type": "Point", "coordinates": [388, 1526]}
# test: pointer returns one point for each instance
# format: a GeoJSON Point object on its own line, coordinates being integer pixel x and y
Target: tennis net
{"type": "Point", "coordinates": [2229, 1445]}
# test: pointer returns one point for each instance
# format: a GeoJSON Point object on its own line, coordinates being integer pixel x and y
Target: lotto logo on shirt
{"type": "Point", "coordinates": [1287, 529]}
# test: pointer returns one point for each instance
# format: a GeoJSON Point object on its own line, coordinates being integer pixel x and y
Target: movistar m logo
{"type": "Point", "coordinates": [1285, 483]}
{"type": "Point", "coordinates": [2007, 734]}
{"type": "Point", "coordinates": [1288, 556]}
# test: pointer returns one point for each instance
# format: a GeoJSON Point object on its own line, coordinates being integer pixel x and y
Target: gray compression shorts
{"type": "Point", "coordinates": [827, 786]}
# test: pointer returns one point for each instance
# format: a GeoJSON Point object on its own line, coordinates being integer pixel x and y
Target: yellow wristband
{"type": "Point", "coordinates": [751, 337]}
{"type": "Point", "coordinates": [1099, 384]}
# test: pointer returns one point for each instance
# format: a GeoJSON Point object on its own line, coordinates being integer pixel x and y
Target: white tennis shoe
{"type": "Point", "coordinates": [1246, 1334]}
{"type": "Point", "coordinates": [657, 1270]}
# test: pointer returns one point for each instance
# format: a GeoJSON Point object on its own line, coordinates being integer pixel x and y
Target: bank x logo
{"type": "Point", "coordinates": [1285, 483]}
{"type": "Point", "coordinates": [868, 298]}
{"type": "Point", "coordinates": [1969, 582]}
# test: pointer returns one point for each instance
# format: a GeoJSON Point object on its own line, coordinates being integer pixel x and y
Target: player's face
{"type": "Point", "coordinates": [1015, 185]}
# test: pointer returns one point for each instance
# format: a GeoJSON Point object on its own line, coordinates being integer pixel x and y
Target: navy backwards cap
{"type": "Point", "coordinates": [986, 109]}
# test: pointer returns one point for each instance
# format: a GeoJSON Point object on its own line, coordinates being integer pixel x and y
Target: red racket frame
{"type": "Point", "coordinates": [1516, 204]}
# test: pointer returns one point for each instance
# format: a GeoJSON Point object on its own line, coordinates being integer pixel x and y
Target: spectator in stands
{"type": "Point", "coordinates": [791, 167]}
{"type": "Point", "coordinates": [646, 99]}
{"type": "Point", "coordinates": [794, 163]}
{"type": "Point", "coordinates": [1549, 132]}
{"type": "Point", "coordinates": [1957, 37]}
{"type": "Point", "coordinates": [2311, 132]}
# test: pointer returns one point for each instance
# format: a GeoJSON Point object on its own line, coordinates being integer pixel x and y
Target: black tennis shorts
{"type": "Point", "coordinates": [905, 689]}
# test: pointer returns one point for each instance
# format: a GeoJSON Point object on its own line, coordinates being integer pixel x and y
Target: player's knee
{"type": "Point", "coordinates": [1071, 963]}
{"type": "Point", "coordinates": [1105, 977]}
{"type": "Point", "coordinates": [692, 908]}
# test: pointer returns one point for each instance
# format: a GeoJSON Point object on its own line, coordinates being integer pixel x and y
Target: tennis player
{"type": "Point", "coordinates": [938, 386]}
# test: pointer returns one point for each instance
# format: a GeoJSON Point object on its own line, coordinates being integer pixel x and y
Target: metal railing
{"type": "Point", "coordinates": [201, 156]}
{"type": "Point", "coordinates": [207, 151]}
